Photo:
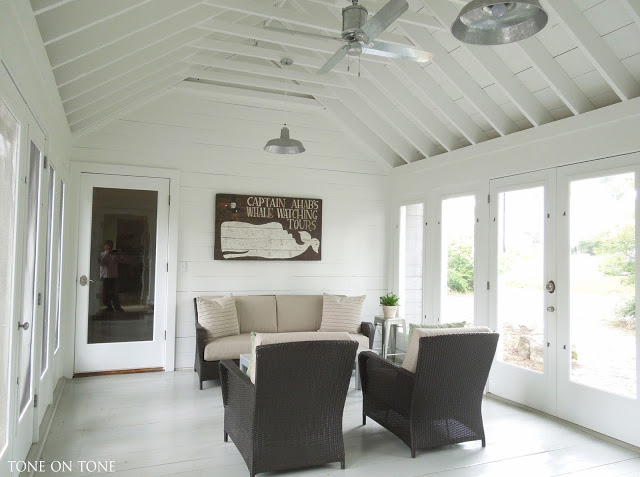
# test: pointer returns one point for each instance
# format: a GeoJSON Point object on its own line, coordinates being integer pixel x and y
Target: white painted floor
{"type": "Point", "coordinates": [160, 424]}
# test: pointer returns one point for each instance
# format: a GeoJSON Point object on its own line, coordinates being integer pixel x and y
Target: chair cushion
{"type": "Point", "coordinates": [363, 341]}
{"type": "Point", "coordinates": [299, 312]}
{"type": "Point", "coordinates": [413, 326]}
{"type": "Point", "coordinates": [257, 313]}
{"type": "Point", "coordinates": [411, 358]}
{"type": "Point", "coordinates": [218, 316]}
{"type": "Point", "coordinates": [341, 313]}
{"type": "Point", "coordinates": [275, 338]}
{"type": "Point", "coordinates": [228, 347]}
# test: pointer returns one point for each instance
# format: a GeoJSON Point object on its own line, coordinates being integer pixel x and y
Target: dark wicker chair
{"type": "Point", "coordinates": [441, 403]}
{"type": "Point", "coordinates": [208, 370]}
{"type": "Point", "coordinates": [292, 417]}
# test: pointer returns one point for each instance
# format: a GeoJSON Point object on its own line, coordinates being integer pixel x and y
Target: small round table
{"type": "Point", "coordinates": [387, 338]}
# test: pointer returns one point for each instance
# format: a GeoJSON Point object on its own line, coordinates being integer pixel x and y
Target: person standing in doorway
{"type": "Point", "coordinates": [109, 260]}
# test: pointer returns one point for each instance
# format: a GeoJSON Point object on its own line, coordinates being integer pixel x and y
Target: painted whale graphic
{"type": "Point", "coordinates": [240, 239]}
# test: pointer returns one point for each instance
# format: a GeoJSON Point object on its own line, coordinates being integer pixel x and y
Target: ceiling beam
{"type": "Point", "coordinates": [633, 7]}
{"type": "Point", "coordinates": [41, 6]}
{"type": "Point", "coordinates": [360, 133]}
{"type": "Point", "coordinates": [558, 79]}
{"type": "Point", "coordinates": [441, 100]}
{"type": "Point", "coordinates": [458, 76]}
{"type": "Point", "coordinates": [125, 104]}
{"type": "Point", "coordinates": [412, 104]}
{"type": "Point", "coordinates": [595, 48]}
{"type": "Point", "coordinates": [140, 18]}
{"type": "Point", "coordinates": [74, 17]}
{"type": "Point", "coordinates": [123, 81]}
{"type": "Point", "coordinates": [521, 97]}
{"type": "Point", "coordinates": [255, 82]}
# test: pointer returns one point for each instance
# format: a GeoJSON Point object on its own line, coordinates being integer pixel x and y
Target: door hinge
{"type": "Point", "coordinates": [488, 285]}
{"type": "Point", "coordinates": [45, 163]}
{"type": "Point", "coordinates": [488, 198]}
{"type": "Point", "coordinates": [165, 335]}
{"type": "Point", "coordinates": [167, 266]}
{"type": "Point", "coordinates": [35, 400]}
{"type": "Point", "coordinates": [169, 199]}
{"type": "Point", "coordinates": [39, 299]}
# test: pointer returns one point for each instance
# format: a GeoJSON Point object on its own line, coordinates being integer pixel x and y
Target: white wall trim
{"type": "Point", "coordinates": [78, 168]}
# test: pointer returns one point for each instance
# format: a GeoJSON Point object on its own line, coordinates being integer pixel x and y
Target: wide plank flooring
{"type": "Point", "coordinates": [159, 424]}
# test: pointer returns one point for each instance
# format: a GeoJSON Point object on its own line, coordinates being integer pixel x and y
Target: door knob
{"type": "Point", "coordinates": [24, 326]}
{"type": "Point", "coordinates": [550, 308]}
{"type": "Point", "coordinates": [84, 280]}
{"type": "Point", "coordinates": [551, 286]}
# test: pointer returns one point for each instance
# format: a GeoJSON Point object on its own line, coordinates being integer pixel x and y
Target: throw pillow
{"type": "Point", "coordinates": [411, 358]}
{"type": "Point", "coordinates": [218, 316]}
{"type": "Point", "coordinates": [341, 313]}
{"type": "Point", "coordinates": [413, 326]}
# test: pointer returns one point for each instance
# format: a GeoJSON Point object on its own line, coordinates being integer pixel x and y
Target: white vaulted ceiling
{"type": "Point", "coordinates": [108, 56]}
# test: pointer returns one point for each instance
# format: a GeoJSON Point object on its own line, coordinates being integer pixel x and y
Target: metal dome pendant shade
{"type": "Point", "coordinates": [284, 144]}
{"type": "Point", "coordinates": [487, 22]}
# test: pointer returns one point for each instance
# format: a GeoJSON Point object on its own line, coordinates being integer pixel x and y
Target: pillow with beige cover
{"type": "Point", "coordinates": [294, 337]}
{"type": "Point", "coordinates": [218, 316]}
{"type": "Point", "coordinates": [411, 358]}
{"type": "Point", "coordinates": [341, 313]}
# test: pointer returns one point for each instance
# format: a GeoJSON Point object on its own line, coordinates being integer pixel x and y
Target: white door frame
{"type": "Point", "coordinates": [77, 168]}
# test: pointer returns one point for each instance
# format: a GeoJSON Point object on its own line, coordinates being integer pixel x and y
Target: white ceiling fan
{"type": "Point", "coordinates": [360, 33]}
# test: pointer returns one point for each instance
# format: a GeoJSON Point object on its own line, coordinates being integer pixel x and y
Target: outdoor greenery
{"type": "Point", "coordinates": [390, 299]}
{"type": "Point", "coordinates": [460, 264]}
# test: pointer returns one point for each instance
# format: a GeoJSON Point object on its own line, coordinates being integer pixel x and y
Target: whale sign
{"type": "Point", "coordinates": [260, 227]}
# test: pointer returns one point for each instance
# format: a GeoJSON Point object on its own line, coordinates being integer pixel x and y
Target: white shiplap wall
{"type": "Point", "coordinates": [217, 145]}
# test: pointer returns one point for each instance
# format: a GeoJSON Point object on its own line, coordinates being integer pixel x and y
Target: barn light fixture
{"type": "Point", "coordinates": [284, 144]}
{"type": "Point", "coordinates": [487, 22]}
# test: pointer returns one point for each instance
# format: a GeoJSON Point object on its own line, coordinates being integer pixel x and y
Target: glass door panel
{"type": "Point", "coordinates": [458, 221]}
{"type": "Point", "coordinates": [521, 277]}
{"type": "Point", "coordinates": [602, 299]}
{"type": "Point", "coordinates": [411, 246]}
{"type": "Point", "coordinates": [48, 283]}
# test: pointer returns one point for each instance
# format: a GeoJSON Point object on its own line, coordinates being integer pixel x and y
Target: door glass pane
{"type": "Point", "coordinates": [411, 232]}
{"type": "Point", "coordinates": [58, 253]}
{"type": "Point", "coordinates": [29, 274]}
{"type": "Point", "coordinates": [47, 275]}
{"type": "Point", "coordinates": [123, 255]}
{"type": "Point", "coordinates": [457, 254]}
{"type": "Point", "coordinates": [602, 276]}
{"type": "Point", "coordinates": [9, 133]}
{"type": "Point", "coordinates": [520, 278]}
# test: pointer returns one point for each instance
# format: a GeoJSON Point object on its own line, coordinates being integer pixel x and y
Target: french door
{"type": "Point", "coordinates": [563, 248]}
{"type": "Point", "coordinates": [122, 273]}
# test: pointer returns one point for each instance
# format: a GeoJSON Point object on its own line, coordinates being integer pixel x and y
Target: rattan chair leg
{"type": "Point", "coordinates": [226, 436]}
{"type": "Point", "coordinates": [342, 466]}
{"type": "Point", "coordinates": [364, 419]}
{"type": "Point", "coordinates": [413, 453]}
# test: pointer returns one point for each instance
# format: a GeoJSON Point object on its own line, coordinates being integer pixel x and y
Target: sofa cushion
{"type": "Point", "coordinates": [228, 347]}
{"type": "Point", "coordinates": [411, 358]}
{"type": "Point", "coordinates": [275, 338]}
{"type": "Point", "coordinates": [341, 313]}
{"type": "Point", "coordinates": [257, 313]}
{"type": "Point", "coordinates": [363, 341]}
{"type": "Point", "coordinates": [218, 316]}
{"type": "Point", "coordinates": [298, 312]}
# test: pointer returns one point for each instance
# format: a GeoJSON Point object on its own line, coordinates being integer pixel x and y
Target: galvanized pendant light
{"type": "Point", "coordinates": [487, 22]}
{"type": "Point", "coordinates": [284, 144]}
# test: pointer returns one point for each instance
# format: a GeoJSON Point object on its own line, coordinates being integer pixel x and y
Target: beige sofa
{"type": "Point", "coordinates": [263, 314]}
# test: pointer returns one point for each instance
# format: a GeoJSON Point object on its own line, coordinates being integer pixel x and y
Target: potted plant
{"type": "Point", "coordinates": [389, 304]}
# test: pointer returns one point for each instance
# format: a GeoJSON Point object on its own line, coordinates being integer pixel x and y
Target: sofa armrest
{"type": "Point", "coordinates": [367, 329]}
{"type": "Point", "coordinates": [201, 340]}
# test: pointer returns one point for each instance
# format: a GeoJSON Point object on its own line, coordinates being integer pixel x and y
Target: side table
{"type": "Point", "coordinates": [387, 338]}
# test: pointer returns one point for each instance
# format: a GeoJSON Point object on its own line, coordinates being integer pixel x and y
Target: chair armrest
{"type": "Point", "coordinates": [237, 389]}
{"type": "Point", "coordinates": [201, 340]}
{"type": "Point", "coordinates": [386, 381]}
{"type": "Point", "coordinates": [367, 329]}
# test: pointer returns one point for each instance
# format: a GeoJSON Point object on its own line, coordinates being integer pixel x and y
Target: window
{"type": "Point", "coordinates": [9, 135]}
{"type": "Point", "coordinates": [49, 282]}
{"type": "Point", "coordinates": [60, 225]}
{"type": "Point", "coordinates": [458, 221]}
{"type": "Point", "coordinates": [410, 273]}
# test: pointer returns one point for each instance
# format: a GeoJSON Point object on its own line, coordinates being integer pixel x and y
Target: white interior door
{"type": "Point", "coordinates": [521, 309]}
{"type": "Point", "coordinates": [598, 337]}
{"type": "Point", "coordinates": [121, 298]}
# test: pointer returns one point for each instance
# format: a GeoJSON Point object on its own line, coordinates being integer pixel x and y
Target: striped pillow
{"type": "Point", "coordinates": [341, 313]}
{"type": "Point", "coordinates": [218, 316]}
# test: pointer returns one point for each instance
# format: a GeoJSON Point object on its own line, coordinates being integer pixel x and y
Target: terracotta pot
{"type": "Point", "coordinates": [389, 311]}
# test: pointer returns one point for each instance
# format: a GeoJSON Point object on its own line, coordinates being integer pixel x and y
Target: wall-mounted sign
{"type": "Point", "coordinates": [260, 227]}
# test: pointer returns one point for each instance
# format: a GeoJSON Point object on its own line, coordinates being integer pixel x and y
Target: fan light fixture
{"type": "Point", "coordinates": [487, 22]}
{"type": "Point", "coordinates": [284, 144]}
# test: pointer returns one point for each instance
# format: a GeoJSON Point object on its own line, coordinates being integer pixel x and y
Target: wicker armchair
{"type": "Point", "coordinates": [292, 416]}
{"type": "Point", "coordinates": [441, 403]}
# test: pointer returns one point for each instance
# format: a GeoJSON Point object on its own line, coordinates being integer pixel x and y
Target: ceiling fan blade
{"type": "Point", "coordinates": [304, 33]}
{"type": "Point", "coordinates": [334, 60]}
{"type": "Point", "coordinates": [380, 48]}
{"type": "Point", "coordinates": [385, 17]}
